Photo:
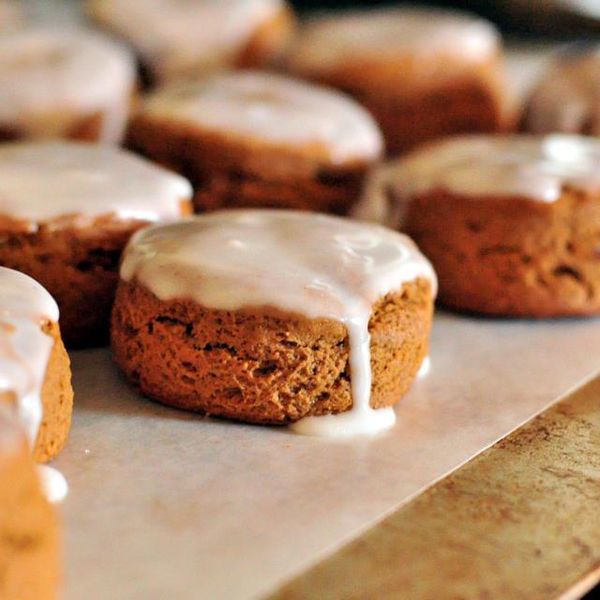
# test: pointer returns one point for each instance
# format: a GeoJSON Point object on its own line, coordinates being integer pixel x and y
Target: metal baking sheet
{"type": "Point", "coordinates": [164, 504]}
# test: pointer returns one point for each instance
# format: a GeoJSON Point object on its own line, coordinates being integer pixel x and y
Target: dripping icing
{"type": "Point", "coordinates": [314, 265]}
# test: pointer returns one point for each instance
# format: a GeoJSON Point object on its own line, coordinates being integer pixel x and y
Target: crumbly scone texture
{"type": "Point", "coordinates": [511, 256]}
{"type": "Point", "coordinates": [57, 400]}
{"type": "Point", "coordinates": [227, 172]}
{"type": "Point", "coordinates": [473, 102]}
{"type": "Point", "coordinates": [264, 365]}
{"type": "Point", "coordinates": [84, 129]}
{"type": "Point", "coordinates": [78, 266]}
{"type": "Point", "coordinates": [29, 535]}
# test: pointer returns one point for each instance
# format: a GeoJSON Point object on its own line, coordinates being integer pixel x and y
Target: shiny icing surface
{"type": "Point", "coordinates": [54, 484]}
{"type": "Point", "coordinates": [329, 40]}
{"type": "Point", "coordinates": [567, 99]}
{"type": "Point", "coordinates": [24, 348]}
{"type": "Point", "coordinates": [42, 181]}
{"type": "Point", "coordinates": [273, 109]}
{"type": "Point", "coordinates": [530, 167]}
{"type": "Point", "coordinates": [50, 79]}
{"type": "Point", "coordinates": [178, 36]}
{"type": "Point", "coordinates": [314, 265]}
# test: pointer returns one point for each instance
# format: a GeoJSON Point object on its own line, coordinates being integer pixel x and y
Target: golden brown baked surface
{"type": "Point", "coordinates": [228, 173]}
{"type": "Point", "coordinates": [29, 538]}
{"type": "Point", "coordinates": [57, 401]}
{"type": "Point", "coordinates": [263, 365]}
{"type": "Point", "coordinates": [511, 256]}
{"type": "Point", "coordinates": [77, 265]}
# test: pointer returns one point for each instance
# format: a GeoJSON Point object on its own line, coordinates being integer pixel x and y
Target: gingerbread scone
{"type": "Point", "coordinates": [275, 317]}
{"type": "Point", "coordinates": [71, 84]}
{"type": "Point", "coordinates": [254, 139]}
{"type": "Point", "coordinates": [567, 98]}
{"type": "Point", "coordinates": [511, 223]}
{"type": "Point", "coordinates": [29, 540]}
{"type": "Point", "coordinates": [67, 211]}
{"type": "Point", "coordinates": [35, 373]}
{"type": "Point", "coordinates": [422, 73]}
{"type": "Point", "coordinates": [194, 38]}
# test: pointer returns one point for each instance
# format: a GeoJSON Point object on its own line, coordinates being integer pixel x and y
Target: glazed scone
{"type": "Point", "coordinates": [510, 223]}
{"type": "Point", "coordinates": [274, 317]}
{"type": "Point", "coordinates": [57, 83]}
{"type": "Point", "coordinates": [66, 212]}
{"type": "Point", "coordinates": [35, 373]}
{"type": "Point", "coordinates": [255, 139]}
{"type": "Point", "coordinates": [29, 539]}
{"type": "Point", "coordinates": [567, 98]}
{"type": "Point", "coordinates": [422, 73]}
{"type": "Point", "coordinates": [193, 38]}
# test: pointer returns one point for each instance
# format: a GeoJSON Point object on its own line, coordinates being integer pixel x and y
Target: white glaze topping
{"type": "Point", "coordinates": [567, 99]}
{"type": "Point", "coordinates": [179, 36]}
{"type": "Point", "coordinates": [50, 79]}
{"type": "Point", "coordinates": [327, 41]}
{"type": "Point", "coordinates": [24, 348]}
{"type": "Point", "coordinates": [273, 109]}
{"type": "Point", "coordinates": [314, 265]}
{"type": "Point", "coordinates": [41, 181]}
{"type": "Point", "coordinates": [531, 167]}
{"type": "Point", "coordinates": [54, 484]}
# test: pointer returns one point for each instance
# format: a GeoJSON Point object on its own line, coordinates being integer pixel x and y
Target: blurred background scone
{"type": "Point", "coordinates": [64, 83]}
{"type": "Point", "coordinates": [255, 139]}
{"type": "Point", "coordinates": [567, 98]}
{"type": "Point", "coordinates": [29, 538]}
{"type": "Point", "coordinates": [423, 73]}
{"type": "Point", "coordinates": [35, 373]}
{"type": "Point", "coordinates": [66, 212]}
{"type": "Point", "coordinates": [510, 223]}
{"type": "Point", "coordinates": [192, 38]}
{"type": "Point", "coordinates": [271, 316]}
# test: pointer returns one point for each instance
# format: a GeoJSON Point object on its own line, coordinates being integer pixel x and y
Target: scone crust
{"type": "Point", "coordinates": [474, 99]}
{"type": "Point", "coordinates": [264, 365]}
{"type": "Point", "coordinates": [228, 172]}
{"type": "Point", "coordinates": [77, 265]}
{"type": "Point", "coordinates": [57, 400]}
{"type": "Point", "coordinates": [29, 536]}
{"type": "Point", "coordinates": [511, 256]}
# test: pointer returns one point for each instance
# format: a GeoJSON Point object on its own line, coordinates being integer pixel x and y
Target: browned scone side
{"type": "Point", "coordinates": [269, 42]}
{"type": "Point", "coordinates": [511, 256]}
{"type": "Point", "coordinates": [473, 101]}
{"type": "Point", "coordinates": [264, 365]}
{"type": "Point", "coordinates": [77, 264]}
{"type": "Point", "coordinates": [57, 400]}
{"type": "Point", "coordinates": [29, 537]}
{"type": "Point", "coordinates": [85, 129]}
{"type": "Point", "coordinates": [232, 173]}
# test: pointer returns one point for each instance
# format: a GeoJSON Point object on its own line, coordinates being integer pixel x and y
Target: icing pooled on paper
{"type": "Point", "coordinates": [314, 265]}
{"type": "Point", "coordinates": [328, 41]}
{"type": "Point", "coordinates": [50, 79]}
{"type": "Point", "coordinates": [530, 167]}
{"type": "Point", "coordinates": [42, 181]}
{"type": "Point", "coordinates": [272, 109]}
{"type": "Point", "coordinates": [181, 36]}
{"type": "Point", "coordinates": [567, 99]}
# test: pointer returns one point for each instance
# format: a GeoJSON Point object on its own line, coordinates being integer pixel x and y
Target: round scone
{"type": "Point", "coordinates": [422, 73]}
{"type": "Point", "coordinates": [64, 84]}
{"type": "Point", "coordinates": [67, 211]}
{"type": "Point", "coordinates": [511, 223]}
{"type": "Point", "coordinates": [35, 372]}
{"type": "Point", "coordinates": [567, 98]}
{"type": "Point", "coordinates": [29, 541]}
{"type": "Point", "coordinates": [192, 38]}
{"type": "Point", "coordinates": [252, 139]}
{"type": "Point", "coordinates": [274, 317]}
